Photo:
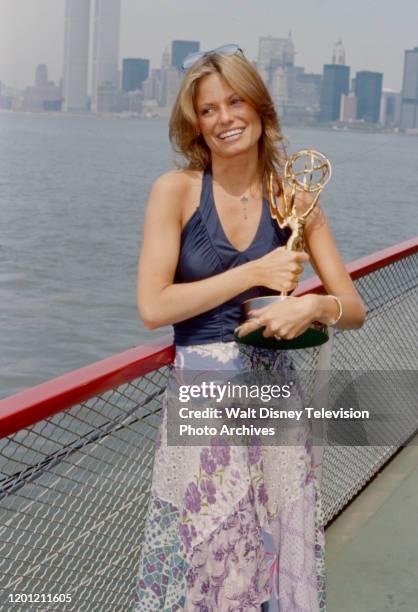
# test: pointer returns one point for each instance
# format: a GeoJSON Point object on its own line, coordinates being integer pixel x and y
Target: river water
{"type": "Point", "coordinates": [73, 195]}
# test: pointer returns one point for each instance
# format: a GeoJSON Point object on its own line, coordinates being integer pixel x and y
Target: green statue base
{"type": "Point", "coordinates": [315, 335]}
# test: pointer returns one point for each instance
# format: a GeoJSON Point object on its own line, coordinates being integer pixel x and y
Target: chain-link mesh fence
{"type": "Point", "coordinates": [74, 487]}
{"type": "Point", "coordinates": [386, 342]}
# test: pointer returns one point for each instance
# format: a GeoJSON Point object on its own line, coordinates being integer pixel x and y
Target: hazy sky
{"type": "Point", "coordinates": [375, 33]}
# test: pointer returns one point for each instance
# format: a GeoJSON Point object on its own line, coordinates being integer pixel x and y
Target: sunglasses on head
{"type": "Point", "coordinates": [192, 58]}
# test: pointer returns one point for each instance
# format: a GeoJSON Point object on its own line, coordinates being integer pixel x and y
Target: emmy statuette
{"type": "Point", "coordinates": [305, 171]}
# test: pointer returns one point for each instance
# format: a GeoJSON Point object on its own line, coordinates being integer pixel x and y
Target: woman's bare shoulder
{"type": "Point", "coordinates": [173, 191]}
{"type": "Point", "coordinates": [177, 181]}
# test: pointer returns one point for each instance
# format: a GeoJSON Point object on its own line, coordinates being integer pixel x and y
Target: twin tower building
{"type": "Point", "coordinates": [105, 51]}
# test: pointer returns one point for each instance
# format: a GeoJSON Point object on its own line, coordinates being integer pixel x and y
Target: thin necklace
{"type": "Point", "coordinates": [244, 200]}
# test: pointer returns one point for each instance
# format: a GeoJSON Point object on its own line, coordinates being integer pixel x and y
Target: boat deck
{"type": "Point", "coordinates": [372, 552]}
{"type": "Point", "coordinates": [77, 451]}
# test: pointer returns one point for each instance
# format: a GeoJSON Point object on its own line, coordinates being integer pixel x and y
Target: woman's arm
{"type": "Point", "coordinates": [163, 302]}
{"type": "Point", "coordinates": [327, 263]}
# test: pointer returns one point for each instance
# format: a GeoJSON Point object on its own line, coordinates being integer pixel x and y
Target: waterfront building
{"type": "Point", "coordinates": [109, 98]}
{"type": "Point", "coordinates": [76, 52]}
{"type": "Point", "coordinates": [304, 93]}
{"type": "Point", "coordinates": [390, 108]}
{"type": "Point", "coordinates": [278, 86]}
{"type": "Point", "coordinates": [368, 93]}
{"type": "Point", "coordinates": [308, 90]}
{"type": "Point", "coordinates": [170, 79]}
{"type": "Point", "coordinates": [335, 83]}
{"type": "Point", "coordinates": [134, 102]}
{"type": "Point", "coordinates": [180, 49]}
{"type": "Point", "coordinates": [44, 95]}
{"type": "Point", "coordinates": [274, 53]}
{"type": "Point", "coordinates": [348, 107]}
{"type": "Point", "coordinates": [134, 72]}
{"type": "Point", "coordinates": [150, 109]}
{"type": "Point", "coordinates": [296, 94]}
{"type": "Point", "coordinates": [275, 64]}
{"type": "Point", "coordinates": [409, 108]}
{"type": "Point", "coordinates": [151, 87]}
{"type": "Point", "coordinates": [293, 73]}
{"type": "Point", "coordinates": [105, 76]}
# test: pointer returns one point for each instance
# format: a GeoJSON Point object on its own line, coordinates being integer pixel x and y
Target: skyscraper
{"type": "Point", "coordinates": [170, 83]}
{"type": "Point", "coordinates": [105, 77]}
{"type": "Point", "coordinates": [134, 72]}
{"type": "Point", "coordinates": [368, 93]}
{"type": "Point", "coordinates": [275, 64]}
{"type": "Point", "coordinates": [274, 53]}
{"type": "Point", "coordinates": [76, 51]}
{"type": "Point", "coordinates": [390, 107]}
{"type": "Point", "coordinates": [348, 107]}
{"type": "Point", "coordinates": [335, 82]}
{"type": "Point", "coordinates": [280, 51]}
{"type": "Point", "coordinates": [308, 90]}
{"type": "Point", "coordinates": [151, 87]}
{"type": "Point", "coordinates": [338, 53]}
{"type": "Point", "coordinates": [409, 107]}
{"type": "Point", "coordinates": [180, 49]}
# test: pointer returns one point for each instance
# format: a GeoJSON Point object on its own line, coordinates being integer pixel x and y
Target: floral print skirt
{"type": "Point", "coordinates": [230, 527]}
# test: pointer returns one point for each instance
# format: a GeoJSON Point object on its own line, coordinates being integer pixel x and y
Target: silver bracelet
{"type": "Point", "coordinates": [340, 313]}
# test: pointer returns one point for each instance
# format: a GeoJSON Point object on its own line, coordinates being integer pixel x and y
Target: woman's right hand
{"type": "Point", "coordinates": [280, 269]}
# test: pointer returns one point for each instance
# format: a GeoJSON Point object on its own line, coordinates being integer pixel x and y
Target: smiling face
{"type": "Point", "coordinates": [229, 125]}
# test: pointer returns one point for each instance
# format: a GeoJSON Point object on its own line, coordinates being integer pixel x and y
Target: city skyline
{"type": "Point", "coordinates": [138, 33]}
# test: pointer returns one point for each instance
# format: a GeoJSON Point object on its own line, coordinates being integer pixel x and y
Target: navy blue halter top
{"type": "Point", "coordinates": [205, 251]}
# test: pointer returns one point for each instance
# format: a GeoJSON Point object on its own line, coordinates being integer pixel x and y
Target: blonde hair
{"type": "Point", "coordinates": [244, 79]}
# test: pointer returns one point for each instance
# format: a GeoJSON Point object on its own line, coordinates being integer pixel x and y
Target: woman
{"type": "Point", "coordinates": [231, 528]}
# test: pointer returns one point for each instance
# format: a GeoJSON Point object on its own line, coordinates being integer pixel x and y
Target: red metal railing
{"type": "Point", "coordinates": [32, 405]}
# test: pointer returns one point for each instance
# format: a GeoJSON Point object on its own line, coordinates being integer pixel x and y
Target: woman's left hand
{"type": "Point", "coordinates": [286, 318]}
